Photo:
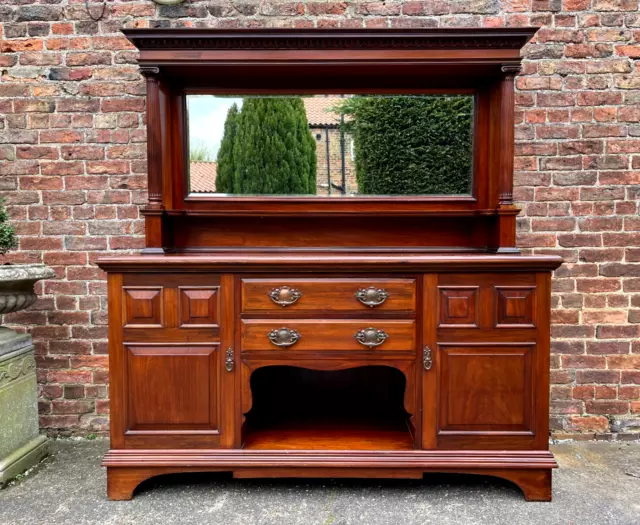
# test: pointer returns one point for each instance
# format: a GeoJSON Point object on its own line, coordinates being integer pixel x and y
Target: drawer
{"type": "Point", "coordinates": [328, 335]}
{"type": "Point", "coordinates": [260, 295]}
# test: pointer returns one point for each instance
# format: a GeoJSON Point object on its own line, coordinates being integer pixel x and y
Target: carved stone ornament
{"type": "Point", "coordinates": [16, 285]}
{"type": "Point", "coordinates": [16, 369]}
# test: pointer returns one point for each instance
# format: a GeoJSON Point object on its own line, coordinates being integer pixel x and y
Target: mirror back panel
{"type": "Point", "coordinates": [330, 145]}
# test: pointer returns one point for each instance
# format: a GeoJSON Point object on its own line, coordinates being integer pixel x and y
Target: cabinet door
{"type": "Point", "coordinates": [486, 361]}
{"type": "Point", "coordinates": [172, 366]}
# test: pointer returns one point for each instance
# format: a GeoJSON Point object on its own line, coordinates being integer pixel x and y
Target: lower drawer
{"type": "Point", "coordinates": [323, 334]}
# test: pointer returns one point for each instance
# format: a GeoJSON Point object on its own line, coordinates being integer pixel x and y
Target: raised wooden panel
{"type": "Point", "coordinates": [515, 306]}
{"type": "Point", "coordinates": [328, 335]}
{"type": "Point", "coordinates": [458, 307]}
{"type": "Point", "coordinates": [172, 387]}
{"type": "Point", "coordinates": [454, 326]}
{"type": "Point", "coordinates": [199, 306]}
{"type": "Point", "coordinates": [327, 294]}
{"type": "Point", "coordinates": [485, 388]}
{"type": "Point", "coordinates": [143, 307]}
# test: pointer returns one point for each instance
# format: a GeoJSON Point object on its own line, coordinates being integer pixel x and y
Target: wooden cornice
{"type": "Point", "coordinates": [330, 39]}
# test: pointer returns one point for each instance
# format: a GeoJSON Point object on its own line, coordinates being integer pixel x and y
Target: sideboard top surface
{"type": "Point", "coordinates": [239, 261]}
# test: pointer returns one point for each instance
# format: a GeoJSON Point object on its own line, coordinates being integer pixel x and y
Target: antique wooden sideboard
{"type": "Point", "coordinates": [381, 336]}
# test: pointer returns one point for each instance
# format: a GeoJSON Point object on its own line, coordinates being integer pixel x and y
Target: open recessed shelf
{"type": "Point", "coordinates": [354, 409]}
{"type": "Point", "coordinates": [312, 434]}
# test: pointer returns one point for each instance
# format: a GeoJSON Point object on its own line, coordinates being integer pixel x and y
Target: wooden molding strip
{"type": "Point", "coordinates": [418, 459]}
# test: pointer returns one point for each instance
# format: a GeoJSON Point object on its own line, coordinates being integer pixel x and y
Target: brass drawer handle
{"type": "Point", "coordinates": [372, 296]}
{"type": "Point", "coordinates": [371, 337]}
{"type": "Point", "coordinates": [284, 337]}
{"type": "Point", "coordinates": [285, 296]}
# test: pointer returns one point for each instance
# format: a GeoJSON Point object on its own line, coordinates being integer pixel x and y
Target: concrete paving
{"type": "Point", "coordinates": [597, 483]}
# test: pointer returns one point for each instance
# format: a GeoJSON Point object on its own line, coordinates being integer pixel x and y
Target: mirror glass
{"type": "Point", "coordinates": [330, 145]}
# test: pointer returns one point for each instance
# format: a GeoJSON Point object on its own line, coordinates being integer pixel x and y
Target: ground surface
{"type": "Point", "coordinates": [597, 483]}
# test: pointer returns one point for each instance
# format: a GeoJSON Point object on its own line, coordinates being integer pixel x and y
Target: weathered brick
{"type": "Point", "coordinates": [89, 59]}
{"type": "Point", "coordinates": [14, 46]}
{"type": "Point", "coordinates": [60, 136]}
{"type": "Point", "coordinates": [607, 407]}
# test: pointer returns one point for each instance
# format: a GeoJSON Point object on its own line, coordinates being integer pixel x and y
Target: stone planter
{"type": "Point", "coordinates": [21, 445]}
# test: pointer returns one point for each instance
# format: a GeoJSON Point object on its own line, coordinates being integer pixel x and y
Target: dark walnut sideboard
{"type": "Point", "coordinates": [331, 331]}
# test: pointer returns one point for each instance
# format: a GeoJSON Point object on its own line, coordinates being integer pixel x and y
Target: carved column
{"type": "Point", "coordinates": [507, 112]}
{"type": "Point", "coordinates": [505, 239]}
{"type": "Point", "coordinates": [154, 144]}
{"type": "Point", "coordinates": [154, 210]}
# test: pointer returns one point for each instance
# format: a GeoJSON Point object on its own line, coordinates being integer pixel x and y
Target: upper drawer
{"type": "Point", "coordinates": [259, 295]}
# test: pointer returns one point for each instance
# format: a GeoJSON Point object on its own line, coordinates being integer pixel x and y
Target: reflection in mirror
{"type": "Point", "coordinates": [331, 145]}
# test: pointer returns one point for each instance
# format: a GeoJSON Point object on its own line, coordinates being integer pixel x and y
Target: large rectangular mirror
{"type": "Point", "coordinates": [330, 145]}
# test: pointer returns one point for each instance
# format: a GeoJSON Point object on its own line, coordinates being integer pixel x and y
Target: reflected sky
{"type": "Point", "coordinates": [207, 116]}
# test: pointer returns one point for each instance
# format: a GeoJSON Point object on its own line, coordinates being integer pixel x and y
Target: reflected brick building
{"type": "Point", "coordinates": [336, 173]}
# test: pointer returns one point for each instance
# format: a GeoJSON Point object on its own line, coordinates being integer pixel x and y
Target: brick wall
{"type": "Point", "coordinates": [72, 160]}
{"type": "Point", "coordinates": [329, 145]}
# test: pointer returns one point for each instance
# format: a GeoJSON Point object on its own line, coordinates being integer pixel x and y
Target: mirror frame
{"type": "Point", "coordinates": [279, 61]}
{"type": "Point", "coordinates": [478, 174]}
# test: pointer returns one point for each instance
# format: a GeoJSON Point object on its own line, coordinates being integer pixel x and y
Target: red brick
{"type": "Point", "coordinates": [630, 377]}
{"type": "Point", "coordinates": [12, 46]}
{"type": "Point", "coordinates": [61, 136]}
{"type": "Point", "coordinates": [631, 362]}
{"type": "Point", "coordinates": [606, 392]}
{"type": "Point", "coordinates": [583, 361]}
{"type": "Point", "coordinates": [41, 183]}
{"type": "Point", "coordinates": [629, 51]}
{"type": "Point", "coordinates": [69, 376]}
{"type": "Point", "coordinates": [122, 104]}
{"type": "Point", "coordinates": [565, 407]}
{"type": "Point", "coordinates": [597, 285]}
{"type": "Point", "coordinates": [562, 376]}
{"type": "Point", "coordinates": [629, 393]}
{"type": "Point", "coordinates": [583, 392]}
{"type": "Point", "coordinates": [588, 423]}
{"type": "Point", "coordinates": [567, 347]}
{"type": "Point", "coordinates": [579, 239]}
{"type": "Point", "coordinates": [597, 376]}
{"type": "Point", "coordinates": [422, 8]}
{"type": "Point", "coordinates": [72, 406]}
{"type": "Point", "coordinates": [607, 407]}
{"type": "Point", "coordinates": [89, 58]}
{"type": "Point", "coordinates": [326, 8]}
{"type": "Point", "coordinates": [604, 316]}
